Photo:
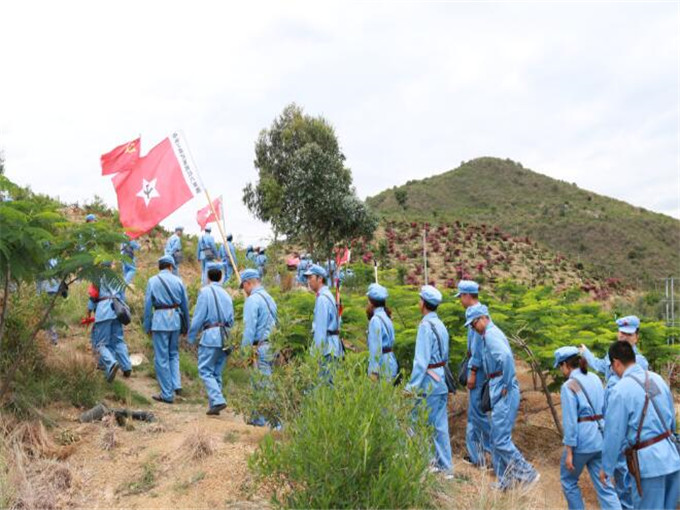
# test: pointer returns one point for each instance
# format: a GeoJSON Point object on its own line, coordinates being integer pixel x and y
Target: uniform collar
{"type": "Point", "coordinates": [164, 271]}
{"type": "Point", "coordinates": [321, 290]}
{"type": "Point", "coordinates": [430, 315]}
{"type": "Point", "coordinates": [633, 369]}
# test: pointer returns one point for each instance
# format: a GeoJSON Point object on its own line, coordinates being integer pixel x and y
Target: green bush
{"type": "Point", "coordinates": [354, 444]}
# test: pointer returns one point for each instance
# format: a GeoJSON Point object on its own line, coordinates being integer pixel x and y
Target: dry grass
{"type": "Point", "coordinates": [107, 438]}
{"type": "Point", "coordinates": [199, 444]}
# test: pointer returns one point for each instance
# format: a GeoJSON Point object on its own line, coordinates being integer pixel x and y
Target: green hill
{"type": "Point", "coordinates": [609, 237]}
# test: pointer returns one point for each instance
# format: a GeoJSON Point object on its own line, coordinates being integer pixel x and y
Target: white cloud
{"type": "Point", "coordinates": [586, 92]}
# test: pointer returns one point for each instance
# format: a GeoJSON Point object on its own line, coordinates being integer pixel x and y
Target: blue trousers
{"type": "Point", "coordinates": [265, 363]}
{"type": "Point", "coordinates": [624, 484]}
{"type": "Point", "coordinates": [606, 495]}
{"type": "Point", "coordinates": [659, 492]}
{"type": "Point", "coordinates": [438, 418]}
{"type": "Point", "coordinates": [129, 272]}
{"type": "Point", "coordinates": [204, 274]}
{"type": "Point", "coordinates": [166, 362]}
{"type": "Point", "coordinates": [108, 341]}
{"type": "Point", "coordinates": [211, 361]}
{"type": "Point", "coordinates": [509, 464]}
{"type": "Point", "coordinates": [478, 429]}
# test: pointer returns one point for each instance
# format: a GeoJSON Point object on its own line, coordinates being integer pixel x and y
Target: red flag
{"type": "Point", "coordinates": [342, 257]}
{"type": "Point", "coordinates": [122, 158]}
{"type": "Point", "coordinates": [205, 215]}
{"type": "Point", "coordinates": [158, 185]}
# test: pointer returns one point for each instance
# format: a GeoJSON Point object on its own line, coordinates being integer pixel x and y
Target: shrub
{"type": "Point", "coordinates": [354, 444]}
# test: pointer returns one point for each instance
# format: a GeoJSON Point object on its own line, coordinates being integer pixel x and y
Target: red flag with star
{"type": "Point", "coordinates": [122, 158]}
{"type": "Point", "coordinates": [159, 184]}
{"type": "Point", "coordinates": [205, 215]}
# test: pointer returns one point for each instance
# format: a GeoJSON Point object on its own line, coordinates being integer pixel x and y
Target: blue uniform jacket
{"type": "Point", "coordinates": [205, 242]}
{"type": "Point", "coordinates": [429, 350]}
{"type": "Point", "coordinates": [302, 267]}
{"type": "Point", "coordinates": [325, 320]}
{"type": "Point", "coordinates": [206, 314]}
{"type": "Point", "coordinates": [223, 254]}
{"type": "Point", "coordinates": [585, 436]}
{"type": "Point", "coordinates": [604, 366]}
{"type": "Point", "coordinates": [50, 286]}
{"type": "Point", "coordinates": [626, 401]}
{"type": "Point", "coordinates": [128, 249]}
{"type": "Point", "coordinates": [381, 336]}
{"type": "Point", "coordinates": [497, 357]}
{"type": "Point", "coordinates": [173, 245]}
{"type": "Point", "coordinates": [103, 307]}
{"type": "Point", "coordinates": [259, 317]}
{"type": "Point", "coordinates": [261, 260]}
{"type": "Point", "coordinates": [165, 319]}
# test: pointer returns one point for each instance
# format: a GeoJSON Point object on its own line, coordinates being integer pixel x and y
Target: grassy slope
{"type": "Point", "coordinates": [612, 237]}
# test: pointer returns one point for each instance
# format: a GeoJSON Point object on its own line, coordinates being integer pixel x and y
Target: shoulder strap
{"type": "Point", "coordinates": [590, 403]}
{"type": "Point", "coordinates": [439, 340]}
{"type": "Point", "coordinates": [334, 306]}
{"type": "Point", "coordinates": [217, 306]}
{"type": "Point", "coordinates": [648, 398]}
{"type": "Point", "coordinates": [167, 289]}
{"type": "Point", "coordinates": [266, 302]}
{"type": "Point", "coordinates": [389, 332]}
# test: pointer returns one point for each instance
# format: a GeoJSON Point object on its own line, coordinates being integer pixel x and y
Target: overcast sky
{"type": "Point", "coordinates": [584, 92]}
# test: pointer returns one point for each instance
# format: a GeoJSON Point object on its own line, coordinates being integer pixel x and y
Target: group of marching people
{"type": "Point", "coordinates": [623, 433]}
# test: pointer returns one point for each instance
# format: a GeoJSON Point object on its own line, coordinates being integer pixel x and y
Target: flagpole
{"type": "Point", "coordinates": [425, 256]}
{"type": "Point", "coordinates": [375, 270]}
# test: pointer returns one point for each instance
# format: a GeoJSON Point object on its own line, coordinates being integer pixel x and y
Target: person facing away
{"type": "Point", "coordinates": [382, 363]}
{"type": "Point", "coordinates": [509, 464]}
{"type": "Point", "coordinates": [213, 318]}
{"type": "Point", "coordinates": [582, 398]}
{"type": "Point", "coordinates": [166, 315]}
{"type": "Point", "coordinates": [478, 427]}
{"type": "Point", "coordinates": [128, 249]}
{"type": "Point", "coordinates": [427, 376]}
{"type": "Point", "coordinates": [640, 418]}
{"type": "Point", "coordinates": [227, 267]}
{"type": "Point", "coordinates": [628, 331]}
{"type": "Point", "coordinates": [261, 262]}
{"type": "Point", "coordinates": [206, 251]}
{"type": "Point", "coordinates": [173, 248]}
{"type": "Point", "coordinates": [259, 319]}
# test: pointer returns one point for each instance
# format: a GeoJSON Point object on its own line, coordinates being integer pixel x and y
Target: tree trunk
{"type": "Point", "coordinates": [5, 304]}
{"type": "Point", "coordinates": [9, 377]}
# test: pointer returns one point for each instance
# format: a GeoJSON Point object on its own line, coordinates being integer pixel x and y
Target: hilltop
{"type": "Point", "coordinates": [610, 238]}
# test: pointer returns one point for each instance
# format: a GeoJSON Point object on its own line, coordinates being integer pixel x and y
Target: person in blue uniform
{"type": "Point", "coordinates": [206, 251]}
{"type": "Point", "coordinates": [50, 287]}
{"type": "Point", "coordinates": [107, 332]}
{"type": "Point", "coordinates": [261, 262]}
{"type": "Point", "coordinates": [427, 376]}
{"type": "Point", "coordinates": [499, 364]}
{"type": "Point", "coordinates": [305, 263]}
{"type": "Point", "coordinates": [250, 253]}
{"type": "Point", "coordinates": [478, 428]}
{"type": "Point", "coordinates": [214, 311]}
{"type": "Point", "coordinates": [90, 218]}
{"type": "Point", "coordinates": [628, 331]}
{"type": "Point", "coordinates": [640, 416]}
{"type": "Point", "coordinates": [166, 315]}
{"type": "Point", "coordinates": [582, 398]}
{"type": "Point", "coordinates": [326, 324]}
{"type": "Point", "coordinates": [227, 267]}
{"type": "Point", "coordinates": [259, 319]}
{"type": "Point", "coordinates": [173, 248]}
{"type": "Point", "coordinates": [382, 363]}
{"type": "Point", "coordinates": [128, 250]}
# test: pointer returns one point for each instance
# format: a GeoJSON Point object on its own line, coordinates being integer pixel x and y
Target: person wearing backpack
{"type": "Point", "coordinates": [259, 319]}
{"type": "Point", "coordinates": [173, 248]}
{"type": "Point", "coordinates": [380, 335]}
{"type": "Point", "coordinates": [166, 315]}
{"type": "Point", "coordinates": [428, 379]}
{"type": "Point", "coordinates": [206, 252]}
{"type": "Point", "coordinates": [502, 389]}
{"type": "Point", "coordinates": [107, 332]}
{"type": "Point", "coordinates": [214, 317]}
{"type": "Point", "coordinates": [478, 428]}
{"type": "Point", "coordinates": [640, 418]}
{"type": "Point", "coordinates": [582, 399]}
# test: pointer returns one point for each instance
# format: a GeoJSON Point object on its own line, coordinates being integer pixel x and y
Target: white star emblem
{"type": "Point", "coordinates": [148, 191]}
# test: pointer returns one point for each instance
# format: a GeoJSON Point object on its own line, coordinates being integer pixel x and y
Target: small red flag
{"type": "Point", "coordinates": [159, 184]}
{"type": "Point", "coordinates": [205, 215]}
{"type": "Point", "coordinates": [342, 257]}
{"type": "Point", "coordinates": [122, 158]}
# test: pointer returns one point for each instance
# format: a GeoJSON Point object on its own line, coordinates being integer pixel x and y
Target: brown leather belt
{"type": "Point", "coordinates": [436, 365]}
{"type": "Point", "coordinates": [386, 350]}
{"type": "Point", "coordinates": [213, 325]}
{"type": "Point", "coordinates": [494, 374]}
{"type": "Point", "coordinates": [595, 417]}
{"type": "Point", "coordinates": [165, 307]}
{"type": "Point", "coordinates": [650, 442]}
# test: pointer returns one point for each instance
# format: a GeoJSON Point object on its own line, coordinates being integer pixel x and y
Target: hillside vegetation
{"type": "Point", "coordinates": [609, 237]}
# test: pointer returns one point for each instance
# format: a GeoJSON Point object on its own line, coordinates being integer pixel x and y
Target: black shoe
{"type": "Point", "coordinates": [178, 392]}
{"type": "Point", "coordinates": [215, 410]}
{"type": "Point", "coordinates": [112, 372]}
{"type": "Point", "coordinates": [127, 373]}
{"type": "Point", "coordinates": [158, 398]}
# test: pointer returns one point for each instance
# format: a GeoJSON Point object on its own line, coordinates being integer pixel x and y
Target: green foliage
{"type": "Point", "coordinates": [351, 445]}
{"type": "Point", "coordinates": [304, 189]}
{"type": "Point", "coordinates": [612, 238]}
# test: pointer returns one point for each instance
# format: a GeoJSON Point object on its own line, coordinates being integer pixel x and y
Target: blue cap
{"type": "Point", "coordinates": [90, 217]}
{"type": "Point", "coordinates": [214, 265]}
{"type": "Point", "coordinates": [467, 287]}
{"type": "Point", "coordinates": [166, 259]}
{"type": "Point", "coordinates": [208, 228]}
{"type": "Point", "coordinates": [180, 228]}
{"type": "Point", "coordinates": [377, 292]}
{"type": "Point", "coordinates": [431, 295]}
{"type": "Point", "coordinates": [249, 274]}
{"type": "Point", "coordinates": [629, 324]}
{"type": "Point", "coordinates": [317, 270]}
{"type": "Point", "coordinates": [475, 312]}
{"type": "Point", "coordinates": [249, 248]}
{"type": "Point", "coordinates": [564, 353]}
